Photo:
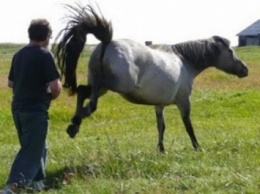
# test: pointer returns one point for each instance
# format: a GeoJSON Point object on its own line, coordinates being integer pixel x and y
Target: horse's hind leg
{"type": "Point", "coordinates": [83, 92]}
{"type": "Point", "coordinates": [184, 107]}
{"type": "Point", "coordinates": [160, 126]}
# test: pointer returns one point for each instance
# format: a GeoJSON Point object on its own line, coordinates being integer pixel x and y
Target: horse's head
{"type": "Point", "coordinates": [227, 60]}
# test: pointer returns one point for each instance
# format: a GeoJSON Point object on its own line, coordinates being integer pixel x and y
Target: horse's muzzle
{"type": "Point", "coordinates": [243, 71]}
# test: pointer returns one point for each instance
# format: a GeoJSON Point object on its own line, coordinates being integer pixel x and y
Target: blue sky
{"type": "Point", "coordinates": [160, 21]}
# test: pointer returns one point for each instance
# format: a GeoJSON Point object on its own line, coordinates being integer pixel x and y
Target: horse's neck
{"type": "Point", "coordinates": [194, 69]}
{"type": "Point", "coordinates": [199, 55]}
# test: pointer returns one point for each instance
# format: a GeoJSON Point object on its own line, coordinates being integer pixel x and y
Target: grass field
{"type": "Point", "coordinates": [115, 151]}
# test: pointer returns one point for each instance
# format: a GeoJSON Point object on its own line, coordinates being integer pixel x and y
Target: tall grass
{"type": "Point", "coordinates": [115, 150]}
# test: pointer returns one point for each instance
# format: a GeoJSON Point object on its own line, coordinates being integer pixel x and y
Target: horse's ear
{"type": "Point", "coordinates": [219, 39]}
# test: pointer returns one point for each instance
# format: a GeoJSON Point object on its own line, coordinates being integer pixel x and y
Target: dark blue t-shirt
{"type": "Point", "coordinates": [32, 68]}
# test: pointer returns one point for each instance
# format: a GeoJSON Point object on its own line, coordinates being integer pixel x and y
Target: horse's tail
{"type": "Point", "coordinates": [84, 20]}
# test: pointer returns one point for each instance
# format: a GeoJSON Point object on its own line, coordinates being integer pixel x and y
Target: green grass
{"type": "Point", "coordinates": [115, 151]}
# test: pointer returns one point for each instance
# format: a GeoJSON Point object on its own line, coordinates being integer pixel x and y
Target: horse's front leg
{"type": "Point", "coordinates": [83, 92]}
{"type": "Point", "coordinates": [160, 126]}
{"type": "Point", "coordinates": [184, 107]}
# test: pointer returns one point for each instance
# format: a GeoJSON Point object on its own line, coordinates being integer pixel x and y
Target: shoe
{"type": "Point", "coordinates": [8, 190]}
{"type": "Point", "coordinates": [39, 186]}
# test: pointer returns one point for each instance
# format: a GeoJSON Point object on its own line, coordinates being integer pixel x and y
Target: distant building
{"type": "Point", "coordinates": [250, 35]}
{"type": "Point", "coordinates": [147, 43]}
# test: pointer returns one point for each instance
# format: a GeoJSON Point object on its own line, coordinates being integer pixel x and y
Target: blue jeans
{"type": "Point", "coordinates": [29, 163]}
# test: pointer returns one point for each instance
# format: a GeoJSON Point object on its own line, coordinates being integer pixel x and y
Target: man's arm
{"type": "Point", "coordinates": [55, 88]}
{"type": "Point", "coordinates": [10, 84]}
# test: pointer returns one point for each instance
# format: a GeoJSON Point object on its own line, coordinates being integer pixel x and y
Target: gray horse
{"type": "Point", "coordinates": [157, 75]}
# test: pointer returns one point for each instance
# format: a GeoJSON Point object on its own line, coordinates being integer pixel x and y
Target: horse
{"type": "Point", "coordinates": [157, 75]}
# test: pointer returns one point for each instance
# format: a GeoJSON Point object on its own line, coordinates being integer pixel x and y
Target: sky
{"type": "Point", "coordinates": [159, 21]}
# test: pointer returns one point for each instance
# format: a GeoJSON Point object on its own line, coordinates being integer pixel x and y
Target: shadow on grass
{"type": "Point", "coordinates": [55, 180]}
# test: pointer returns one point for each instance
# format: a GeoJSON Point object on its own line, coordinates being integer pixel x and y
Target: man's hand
{"type": "Point", "coordinates": [55, 88]}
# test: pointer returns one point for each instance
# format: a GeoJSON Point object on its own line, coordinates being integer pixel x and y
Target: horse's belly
{"type": "Point", "coordinates": [153, 94]}
{"type": "Point", "coordinates": [158, 88]}
{"type": "Point", "coordinates": [147, 101]}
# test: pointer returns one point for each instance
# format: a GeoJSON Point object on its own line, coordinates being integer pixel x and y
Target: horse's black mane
{"type": "Point", "coordinates": [200, 53]}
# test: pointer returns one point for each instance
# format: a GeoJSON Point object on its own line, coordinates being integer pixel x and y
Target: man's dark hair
{"type": "Point", "coordinates": [39, 30]}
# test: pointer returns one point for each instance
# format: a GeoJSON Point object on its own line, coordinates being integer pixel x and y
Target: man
{"type": "Point", "coordinates": [35, 82]}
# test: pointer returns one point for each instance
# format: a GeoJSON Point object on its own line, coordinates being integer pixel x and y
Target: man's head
{"type": "Point", "coordinates": [40, 31]}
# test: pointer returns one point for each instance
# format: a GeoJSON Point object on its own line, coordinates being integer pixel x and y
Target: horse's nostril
{"type": "Point", "coordinates": [243, 72]}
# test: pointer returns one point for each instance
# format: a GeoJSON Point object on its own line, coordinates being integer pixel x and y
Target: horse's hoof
{"type": "Point", "coordinates": [163, 152]}
{"type": "Point", "coordinates": [161, 149]}
{"type": "Point", "coordinates": [197, 147]}
{"type": "Point", "coordinates": [72, 130]}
